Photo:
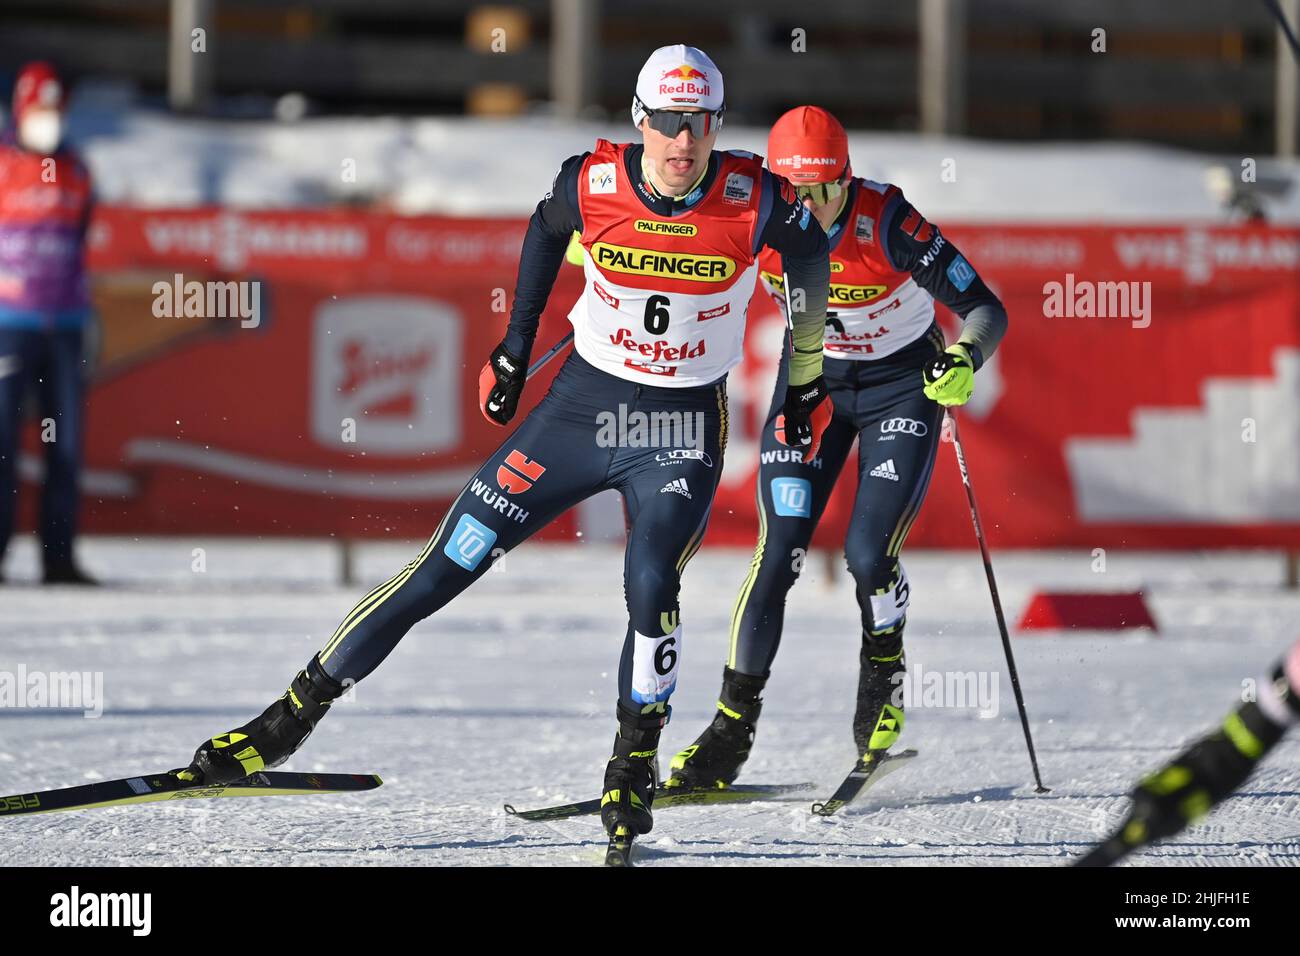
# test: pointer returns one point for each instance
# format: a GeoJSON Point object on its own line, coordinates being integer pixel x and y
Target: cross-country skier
{"type": "Point", "coordinates": [1208, 771]}
{"type": "Point", "coordinates": [890, 378]}
{"type": "Point", "coordinates": [671, 231]}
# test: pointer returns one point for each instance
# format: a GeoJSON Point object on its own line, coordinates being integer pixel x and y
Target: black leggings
{"type": "Point", "coordinates": [660, 447]}
{"type": "Point", "coordinates": [881, 405]}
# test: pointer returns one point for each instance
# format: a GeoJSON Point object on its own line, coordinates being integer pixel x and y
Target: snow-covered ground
{"type": "Point", "coordinates": [507, 695]}
{"type": "Point", "coordinates": [487, 167]}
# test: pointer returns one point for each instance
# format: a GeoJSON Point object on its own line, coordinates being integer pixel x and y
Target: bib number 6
{"type": "Point", "coordinates": [656, 314]}
{"type": "Point", "coordinates": [666, 657]}
{"type": "Point", "coordinates": [654, 666]}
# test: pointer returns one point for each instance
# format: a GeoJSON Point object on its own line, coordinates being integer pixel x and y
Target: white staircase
{"type": "Point", "coordinates": [1192, 466]}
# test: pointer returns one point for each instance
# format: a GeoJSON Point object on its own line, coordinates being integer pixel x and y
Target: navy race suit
{"type": "Point", "coordinates": [655, 329]}
{"type": "Point", "coordinates": [887, 266]}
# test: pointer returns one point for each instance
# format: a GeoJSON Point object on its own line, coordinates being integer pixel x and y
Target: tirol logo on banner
{"type": "Point", "coordinates": [392, 365]}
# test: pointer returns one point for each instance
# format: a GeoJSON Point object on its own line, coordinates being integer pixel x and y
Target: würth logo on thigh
{"type": "Point", "coordinates": [519, 473]}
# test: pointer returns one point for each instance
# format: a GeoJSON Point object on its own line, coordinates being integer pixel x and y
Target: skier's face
{"type": "Point", "coordinates": [678, 161]}
{"type": "Point", "coordinates": [825, 204]}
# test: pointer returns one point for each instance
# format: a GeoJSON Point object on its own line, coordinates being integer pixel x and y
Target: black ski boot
{"type": "Point", "coordinates": [270, 739]}
{"type": "Point", "coordinates": [878, 720]}
{"type": "Point", "coordinates": [67, 572]}
{"type": "Point", "coordinates": [715, 759]}
{"type": "Point", "coordinates": [631, 775]}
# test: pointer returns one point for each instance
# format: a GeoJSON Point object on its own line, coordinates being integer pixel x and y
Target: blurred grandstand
{"type": "Point", "coordinates": [371, 164]}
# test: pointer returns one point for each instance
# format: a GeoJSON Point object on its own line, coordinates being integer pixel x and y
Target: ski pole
{"type": "Point", "coordinates": [554, 350]}
{"type": "Point", "coordinates": [993, 592]}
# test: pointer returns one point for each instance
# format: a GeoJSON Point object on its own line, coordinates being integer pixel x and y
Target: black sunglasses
{"type": "Point", "coordinates": [670, 122]}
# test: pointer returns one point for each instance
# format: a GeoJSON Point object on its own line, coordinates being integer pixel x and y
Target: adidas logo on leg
{"type": "Point", "coordinates": [885, 470]}
{"type": "Point", "coordinates": [679, 486]}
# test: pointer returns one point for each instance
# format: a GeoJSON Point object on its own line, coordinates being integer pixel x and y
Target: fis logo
{"type": "Point", "coordinates": [601, 178]}
{"type": "Point", "coordinates": [470, 542]}
{"type": "Point", "coordinates": [738, 189]}
{"type": "Point", "coordinates": [519, 473]}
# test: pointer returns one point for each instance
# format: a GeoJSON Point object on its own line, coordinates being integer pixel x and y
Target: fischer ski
{"type": "Point", "coordinates": [167, 786]}
{"type": "Point", "coordinates": [864, 774]}
{"type": "Point", "coordinates": [668, 797]}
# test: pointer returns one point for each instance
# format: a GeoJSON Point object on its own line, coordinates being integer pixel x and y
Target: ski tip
{"type": "Point", "coordinates": [510, 810]}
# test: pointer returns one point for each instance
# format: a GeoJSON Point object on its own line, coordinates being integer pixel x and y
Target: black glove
{"type": "Point", "coordinates": [807, 412]}
{"type": "Point", "coordinates": [500, 384]}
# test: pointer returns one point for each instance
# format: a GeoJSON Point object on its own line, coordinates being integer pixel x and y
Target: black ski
{"type": "Point", "coordinates": [668, 797]}
{"type": "Point", "coordinates": [166, 786]}
{"type": "Point", "coordinates": [867, 771]}
{"type": "Point", "coordinates": [1108, 853]}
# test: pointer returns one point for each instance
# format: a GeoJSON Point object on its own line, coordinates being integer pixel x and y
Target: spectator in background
{"type": "Point", "coordinates": [45, 202]}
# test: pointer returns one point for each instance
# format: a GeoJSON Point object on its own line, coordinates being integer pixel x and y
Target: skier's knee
{"type": "Point", "coordinates": [883, 595]}
{"type": "Point", "coordinates": [651, 594]}
{"type": "Point", "coordinates": [870, 566]}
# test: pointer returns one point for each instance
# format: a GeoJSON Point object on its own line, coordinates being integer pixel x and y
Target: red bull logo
{"type": "Point", "coordinates": [684, 79]}
{"type": "Point", "coordinates": [685, 73]}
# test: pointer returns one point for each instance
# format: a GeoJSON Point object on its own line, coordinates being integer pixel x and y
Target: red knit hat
{"type": "Point", "coordinates": [808, 145]}
{"type": "Point", "coordinates": [38, 86]}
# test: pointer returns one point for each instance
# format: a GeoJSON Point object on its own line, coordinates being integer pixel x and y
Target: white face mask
{"type": "Point", "coordinates": [41, 131]}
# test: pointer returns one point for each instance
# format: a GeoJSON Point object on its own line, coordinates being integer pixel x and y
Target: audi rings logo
{"type": "Point", "coordinates": [903, 426]}
{"type": "Point", "coordinates": [683, 454]}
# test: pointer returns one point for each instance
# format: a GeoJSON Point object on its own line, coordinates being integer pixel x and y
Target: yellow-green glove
{"type": "Point", "coordinates": [950, 378]}
{"type": "Point", "coordinates": [574, 253]}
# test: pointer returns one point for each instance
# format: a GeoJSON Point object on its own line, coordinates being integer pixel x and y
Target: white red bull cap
{"type": "Point", "coordinates": [678, 76]}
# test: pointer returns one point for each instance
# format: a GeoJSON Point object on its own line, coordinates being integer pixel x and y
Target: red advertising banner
{"type": "Point", "coordinates": [1145, 396]}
